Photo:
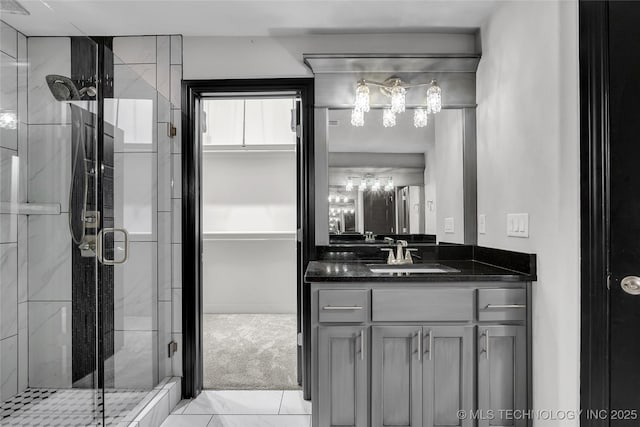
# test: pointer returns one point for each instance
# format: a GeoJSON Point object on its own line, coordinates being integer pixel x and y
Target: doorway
{"type": "Point", "coordinates": [247, 230]}
{"type": "Point", "coordinates": [249, 241]}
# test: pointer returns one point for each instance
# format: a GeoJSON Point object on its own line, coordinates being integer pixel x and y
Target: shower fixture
{"type": "Point", "coordinates": [64, 89]}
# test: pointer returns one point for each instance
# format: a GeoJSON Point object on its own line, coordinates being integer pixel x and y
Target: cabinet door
{"type": "Point", "coordinates": [502, 375]}
{"type": "Point", "coordinates": [342, 376]}
{"type": "Point", "coordinates": [448, 375]}
{"type": "Point", "coordinates": [396, 376]}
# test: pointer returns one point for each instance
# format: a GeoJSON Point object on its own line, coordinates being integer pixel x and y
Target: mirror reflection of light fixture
{"type": "Point", "coordinates": [389, 185]}
{"type": "Point", "coordinates": [388, 118]}
{"type": "Point", "coordinates": [349, 186]}
{"type": "Point", "coordinates": [420, 117]}
{"type": "Point", "coordinates": [376, 185]}
{"type": "Point", "coordinates": [396, 90]}
{"type": "Point", "coordinates": [363, 185]}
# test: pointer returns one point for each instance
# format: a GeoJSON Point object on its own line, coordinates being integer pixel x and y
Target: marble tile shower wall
{"type": "Point", "coordinates": [148, 291]}
{"type": "Point", "coordinates": [35, 250]}
{"type": "Point", "coordinates": [13, 227]}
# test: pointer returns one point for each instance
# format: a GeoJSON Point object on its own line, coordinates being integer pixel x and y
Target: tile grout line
{"type": "Point", "coordinates": [281, 400]}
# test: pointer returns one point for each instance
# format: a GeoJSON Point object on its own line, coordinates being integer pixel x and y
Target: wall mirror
{"type": "Point", "coordinates": [401, 181]}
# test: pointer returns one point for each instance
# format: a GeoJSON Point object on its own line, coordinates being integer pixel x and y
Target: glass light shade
{"type": "Point", "coordinates": [363, 185]}
{"type": "Point", "coordinates": [420, 117]}
{"type": "Point", "coordinates": [434, 98]}
{"type": "Point", "coordinates": [398, 99]}
{"type": "Point", "coordinates": [357, 118]}
{"type": "Point", "coordinates": [388, 118]}
{"type": "Point", "coordinates": [349, 186]}
{"type": "Point", "coordinates": [389, 185]}
{"type": "Point", "coordinates": [362, 98]}
{"type": "Point", "coordinates": [376, 185]}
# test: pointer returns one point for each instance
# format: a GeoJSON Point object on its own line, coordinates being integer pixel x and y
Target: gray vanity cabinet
{"type": "Point", "coordinates": [396, 376]}
{"type": "Point", "coordinates": [448, 375]}
{"type": "Point", "coordinates": [344, 381]}
{"type": "Point", "coordinates": [502, 375]}
{"type": "Point", "coordinates": [421, 375]}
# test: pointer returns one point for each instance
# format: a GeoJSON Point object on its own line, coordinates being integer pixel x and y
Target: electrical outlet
{"type": "Point", "coordinates": [448, 225]}
{"type": "Point", "coordinates": [482, 224]}
{"type": "Point", "coordinates": [518, 225]}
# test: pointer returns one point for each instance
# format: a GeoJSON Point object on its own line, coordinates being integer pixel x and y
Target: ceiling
{"type": "Point", "coordinates": [247, 17]}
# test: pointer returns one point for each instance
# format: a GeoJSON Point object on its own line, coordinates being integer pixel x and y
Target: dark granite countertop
{"type": "Point", "coordinates": [358, 271]}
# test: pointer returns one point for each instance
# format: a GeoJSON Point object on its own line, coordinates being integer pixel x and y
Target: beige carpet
{"type": "Point", "coordinates": [250, 351]}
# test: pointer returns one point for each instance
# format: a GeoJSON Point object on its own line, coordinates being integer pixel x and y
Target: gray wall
{"type": "Point", "coordinates": [528, 162]}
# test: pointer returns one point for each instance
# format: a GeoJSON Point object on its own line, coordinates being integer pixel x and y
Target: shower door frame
{"type": "Point", "coordinates": [193, 91]}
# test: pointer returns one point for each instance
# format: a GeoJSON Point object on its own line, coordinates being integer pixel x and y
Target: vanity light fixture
{"type": "Point", "coordinates": [396, 90]}
{"type": "Point", "coordinates": [420, 117]}
{"type": "Point", "coordinates": [363, 185]}
{"type": "Point", "coordinates": [434, 98]}
{"type": "Point", "coordinates": [357, 117]}
{"type": "Point", "coordinates": [376, 185]}
{"type": "Point", "coordinates": [388, 118]}
{"type": "Point", "coordinates": [362, 97]}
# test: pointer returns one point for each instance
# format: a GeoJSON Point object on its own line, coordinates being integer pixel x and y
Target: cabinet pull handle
{"type": "Point", "coordinates": [361, 344]}
{"type": "Point", "coordinates": [486, 343]}
{"type": "Point", "coordinates": [419, 335]}
{"type": "Point", "coordinates": [430, 343]}
{"type": "Point", "coordinates": [499, 306]}
{"type": "Point", "coordinates": [340, 307]}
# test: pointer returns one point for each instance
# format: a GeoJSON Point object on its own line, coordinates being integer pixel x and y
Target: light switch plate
{"type": "Point", "coordinates": [518, 225]}
{"type": "Point", "coordinates": [482, 224]}
{"type": "Point", "coordinates": [448, 225]}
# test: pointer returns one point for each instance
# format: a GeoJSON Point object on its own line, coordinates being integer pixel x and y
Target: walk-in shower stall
{"type": "Point", "coordinates": [89, 317]}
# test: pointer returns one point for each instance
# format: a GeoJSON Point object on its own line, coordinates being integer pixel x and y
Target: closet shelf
{"type": "Point", "coordinates": [249, 235]}
{"type": "Point", "coordinates": [274, 148]}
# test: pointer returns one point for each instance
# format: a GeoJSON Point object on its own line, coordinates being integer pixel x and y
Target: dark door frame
{"type": "Point", "coordinates": [594, 208]}
{"type": "Point", "coordinates": [192, 92]}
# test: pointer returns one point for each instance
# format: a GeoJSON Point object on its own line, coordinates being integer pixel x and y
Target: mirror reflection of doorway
{"type": "Point", "coordinates": [379, 212]}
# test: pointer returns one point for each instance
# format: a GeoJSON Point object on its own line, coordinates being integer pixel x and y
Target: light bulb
{"type": "Point", "coordinates": [345, 199]}
{"type": "Point", "coordinates": [362, 97]}
{"type": "Point", "coordinates": [434, 98]}
{"type": "Point", "coordinates": [363, 185]}
{"type": "Point", "coordinates": [398, 99]}
{"type": "Point", "coordinates": [376, 185]}
{"type": "Point", "coordinates": [388, 118]}
{"type": "Point", "coordinates": [349, 186]}
{"type": "Point", "coordinates": [352, 211]}
{"type": "Point", "coordinates": [420, 117]}
{"type": "Point", "coordinates": [357, 118]}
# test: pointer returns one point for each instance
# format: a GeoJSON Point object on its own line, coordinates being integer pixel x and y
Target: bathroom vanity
{"type": "Point", "coordinates": [449, 347]}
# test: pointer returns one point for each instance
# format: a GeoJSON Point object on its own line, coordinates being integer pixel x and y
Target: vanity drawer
{"type": "Point", "coordinates": [502, 304]}
{"type": "Point", "coordinates": [343, 305]}
{"type": "Point", "coordinates": [422, 305]}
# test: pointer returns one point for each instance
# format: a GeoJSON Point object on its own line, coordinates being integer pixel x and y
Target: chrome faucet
{"type": "Point", "coordinates": [402, 256]}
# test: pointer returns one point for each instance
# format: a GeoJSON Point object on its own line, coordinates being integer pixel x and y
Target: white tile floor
{"type": "Point", "coordinates": [239, 408]}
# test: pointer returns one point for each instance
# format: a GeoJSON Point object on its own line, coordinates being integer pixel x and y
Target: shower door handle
{"type": "Point", "coordinates": [100, 243]}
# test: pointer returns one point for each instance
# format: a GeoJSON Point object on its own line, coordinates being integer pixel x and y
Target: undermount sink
{"type": "Point", "coordinates": [411, 268]}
